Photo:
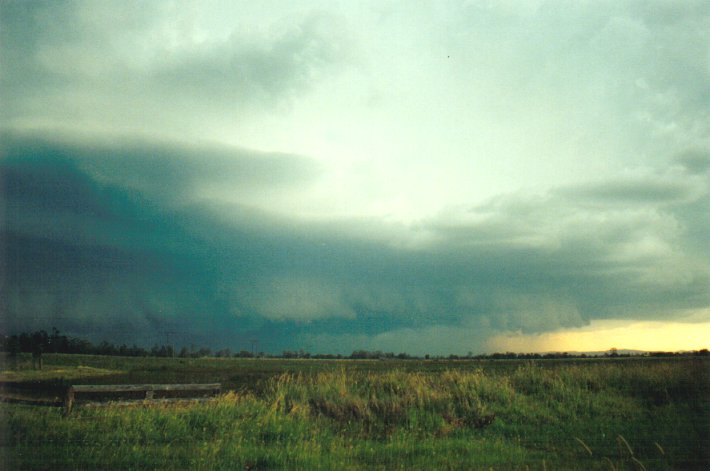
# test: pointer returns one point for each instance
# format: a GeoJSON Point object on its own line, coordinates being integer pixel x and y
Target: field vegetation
{"type": "Point", "coordinates": [610, 414]}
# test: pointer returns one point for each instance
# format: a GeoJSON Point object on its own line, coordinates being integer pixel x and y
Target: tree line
{"type": "Point", "coordinates": [56, 342]}
{"type": "Point", "coordinates": [43, 342]}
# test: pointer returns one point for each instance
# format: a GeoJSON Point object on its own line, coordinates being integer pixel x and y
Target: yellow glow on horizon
{"type": "Point", "coordinates": [603, 335]}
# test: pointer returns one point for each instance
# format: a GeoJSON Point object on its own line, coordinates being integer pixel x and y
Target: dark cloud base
{"type": "Point", "coordinates": [108, 241]}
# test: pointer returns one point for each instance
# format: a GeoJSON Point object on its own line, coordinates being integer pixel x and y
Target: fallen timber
{"type": "Point", "coordinates": [139, 392]}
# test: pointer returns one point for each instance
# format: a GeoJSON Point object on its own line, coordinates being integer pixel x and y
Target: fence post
{"type": "Point", "coordinates": [69, 400]}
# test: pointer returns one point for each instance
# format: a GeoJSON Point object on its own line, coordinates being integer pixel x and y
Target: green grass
{"type": "Point", "coordinates": [56, 373]}
{"type": "Point", "coordinates": [623, 415]}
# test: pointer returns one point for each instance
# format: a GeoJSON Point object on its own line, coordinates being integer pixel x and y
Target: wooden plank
{"type": "Point", "coordinates": [98, 388]}
{"type": "Point", "coordinates": [164, 400]}
{"type": "Point", "coordinates": [149, 390]}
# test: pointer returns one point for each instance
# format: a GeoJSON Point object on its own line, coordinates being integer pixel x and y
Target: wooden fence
{"type": "Point", "coordinates": [148, 391]}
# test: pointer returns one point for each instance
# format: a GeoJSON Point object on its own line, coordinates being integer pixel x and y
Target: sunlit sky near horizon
{"type": "Point", "coordinates": [429, 177]}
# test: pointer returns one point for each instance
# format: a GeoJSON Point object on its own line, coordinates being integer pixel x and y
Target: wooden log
{"type": "Point", "coordinates": [149, 389]}
{"type": "Point", "coordinates": [162, 400]}
{"type": "Point", "coordinates": [99, 388]}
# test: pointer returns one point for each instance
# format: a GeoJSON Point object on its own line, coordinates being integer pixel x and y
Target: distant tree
{"type": "Point", "coordinates": [358, 355]}
{"type": "Point", "coordinates": [57, 343]}
{"type": "Point", "coordinates": [224, 353]}
{"type": "Point", "coordinates": [204, 352]}
{"type": "Point", "coordinates": [12, 347]}
{"type": "Point", "coordinates": [106, 348]}
{"type": "Point", "coordinates": [39, 341]}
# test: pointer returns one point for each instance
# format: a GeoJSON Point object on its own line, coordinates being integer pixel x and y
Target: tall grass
{"type": "Point", "coordinates": [576, 416]}
{"type": "Point", "coordinates": [377, 404]}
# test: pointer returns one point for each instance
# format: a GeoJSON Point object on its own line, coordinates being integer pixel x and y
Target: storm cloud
{"type": "Point", "coordinates": [96, 253]}
{"type": "Point", "coordinates": [369, 176]}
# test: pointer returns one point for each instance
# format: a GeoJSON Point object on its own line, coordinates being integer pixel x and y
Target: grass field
{"type": "Point", "coordinates": [611, 414]}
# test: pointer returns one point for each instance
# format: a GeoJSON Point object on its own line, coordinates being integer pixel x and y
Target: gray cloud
{"type": "Point", "coordinates": [695, 161]}
{"type": "Point", "coordinates": [133, 65]}
{"type": "Point", "coordinates": [162, 169]}
{"type": "Point", "coordinates": [629, 191]}
{"type": "Point", "coordinates": [237, 72]}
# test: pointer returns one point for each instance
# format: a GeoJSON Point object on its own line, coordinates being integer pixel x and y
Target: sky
{"type": "Point", "coordinates": [424, 177]}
